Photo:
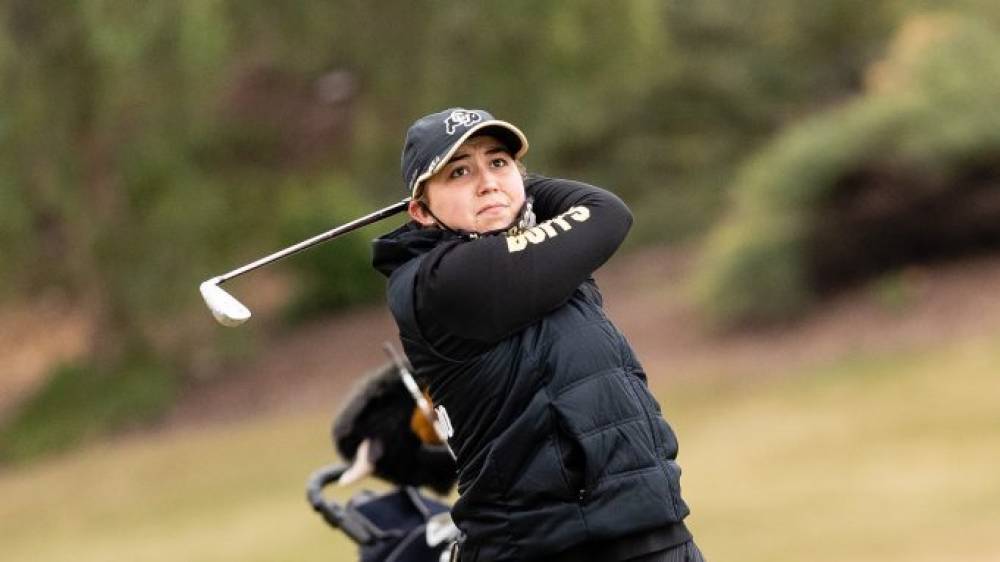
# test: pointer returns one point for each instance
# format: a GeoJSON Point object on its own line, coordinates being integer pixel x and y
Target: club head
{"type": "Point", "coordinates": [226, 309]}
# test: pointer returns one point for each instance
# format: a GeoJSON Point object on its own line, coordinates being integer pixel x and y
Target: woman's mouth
{"type": "Point", "coordinates": [496, 207]}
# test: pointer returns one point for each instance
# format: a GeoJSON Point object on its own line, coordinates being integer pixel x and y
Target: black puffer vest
{"type": "Point", "coordinates": [559, 441]}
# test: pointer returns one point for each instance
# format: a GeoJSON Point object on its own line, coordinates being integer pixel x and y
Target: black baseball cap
{"type": "Point", "coordinates": [431, 141]}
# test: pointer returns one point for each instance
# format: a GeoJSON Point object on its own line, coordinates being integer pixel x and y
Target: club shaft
{"type": "Point", "coordinates": [329, 234]}
{"type": "Point", "coordinates": [418, 396]}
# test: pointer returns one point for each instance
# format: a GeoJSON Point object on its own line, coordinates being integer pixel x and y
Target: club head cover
{"type": "Point", "coordinates": [381, 410]}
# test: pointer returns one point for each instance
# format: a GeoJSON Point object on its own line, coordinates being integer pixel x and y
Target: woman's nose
{"type": "Point", "coordinates": [488, 183]}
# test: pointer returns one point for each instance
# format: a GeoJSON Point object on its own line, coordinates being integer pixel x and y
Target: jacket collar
{"type": "Point", "coordinates": [392, 250]}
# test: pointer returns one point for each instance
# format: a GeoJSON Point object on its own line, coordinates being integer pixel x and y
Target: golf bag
{"type": "Point", "coordinates": [399, 526]}
{"type": "Point", "coordinates": [379, 432]}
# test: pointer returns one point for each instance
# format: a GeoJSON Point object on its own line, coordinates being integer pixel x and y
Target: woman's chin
{"type": "Point", "coordinates": [492, 223]}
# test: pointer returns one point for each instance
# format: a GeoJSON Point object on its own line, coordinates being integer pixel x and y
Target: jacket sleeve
{"type": "Point", "coordinates": [488, 288]}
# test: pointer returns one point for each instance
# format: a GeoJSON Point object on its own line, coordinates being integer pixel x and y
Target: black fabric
{"type": "Point", "coordinates": [630, 547]}
{"type": "Point", "coordinates": [559, 441]}
{"type": "Point", "coordinates": [687, 552]}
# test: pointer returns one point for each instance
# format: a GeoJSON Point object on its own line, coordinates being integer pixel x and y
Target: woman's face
{"type": "Point", "coordinates": [479, 190]}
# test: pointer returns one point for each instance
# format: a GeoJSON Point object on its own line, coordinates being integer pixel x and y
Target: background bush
{"type": "Point", "coordinates": [80, 404]}
{"type": "Point", "coordinates": [924, 129]}
{"type": "Point", "coordinates": [337, 273]}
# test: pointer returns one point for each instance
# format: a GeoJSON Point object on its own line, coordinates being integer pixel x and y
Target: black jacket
{"type": "Point", "coordinates": [559, 441]}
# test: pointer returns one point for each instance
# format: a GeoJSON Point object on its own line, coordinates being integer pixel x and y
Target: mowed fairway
{"type": "Point", "coordinates": [880, 458]}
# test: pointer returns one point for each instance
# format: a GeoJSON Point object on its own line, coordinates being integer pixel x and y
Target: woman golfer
{"type": "Point", "coordinates": [562, 452]}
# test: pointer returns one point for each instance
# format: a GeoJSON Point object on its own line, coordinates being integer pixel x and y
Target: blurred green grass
{"type": "Point", "coordinates": [883, 457]}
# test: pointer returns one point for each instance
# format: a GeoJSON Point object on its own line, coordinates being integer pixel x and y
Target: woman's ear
{"type": "Point", "coordinates": [419, 213]}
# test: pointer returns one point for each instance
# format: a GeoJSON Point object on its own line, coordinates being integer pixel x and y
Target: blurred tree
{"type": "Point", "coordinates": [96, 149]}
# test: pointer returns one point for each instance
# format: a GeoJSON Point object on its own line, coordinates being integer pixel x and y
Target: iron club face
{"type": "Point", "coordinates": [226, 309]}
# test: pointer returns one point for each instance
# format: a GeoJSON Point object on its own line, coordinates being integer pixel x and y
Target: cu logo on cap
{"type": "Point", "coordinates": [461, 119]}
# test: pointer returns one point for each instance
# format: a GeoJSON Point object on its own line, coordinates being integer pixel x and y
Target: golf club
{"type": "Point", "coordinates": [231, 312]}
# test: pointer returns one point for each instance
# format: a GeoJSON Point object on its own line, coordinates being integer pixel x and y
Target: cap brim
{"type": "Point", "coordinates": [443, 159]}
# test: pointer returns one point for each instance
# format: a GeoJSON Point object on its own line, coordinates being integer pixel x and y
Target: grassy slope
{"type": "Point", "coordinates": [876, 458]}
{"type": "Point", "coordinates": [870, 458]}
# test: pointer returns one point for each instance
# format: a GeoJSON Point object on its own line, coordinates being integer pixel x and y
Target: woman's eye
{"type": "Point", "coordinates": [499, 162]}
{"type": "Point", "coordinates": [458, 172]}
